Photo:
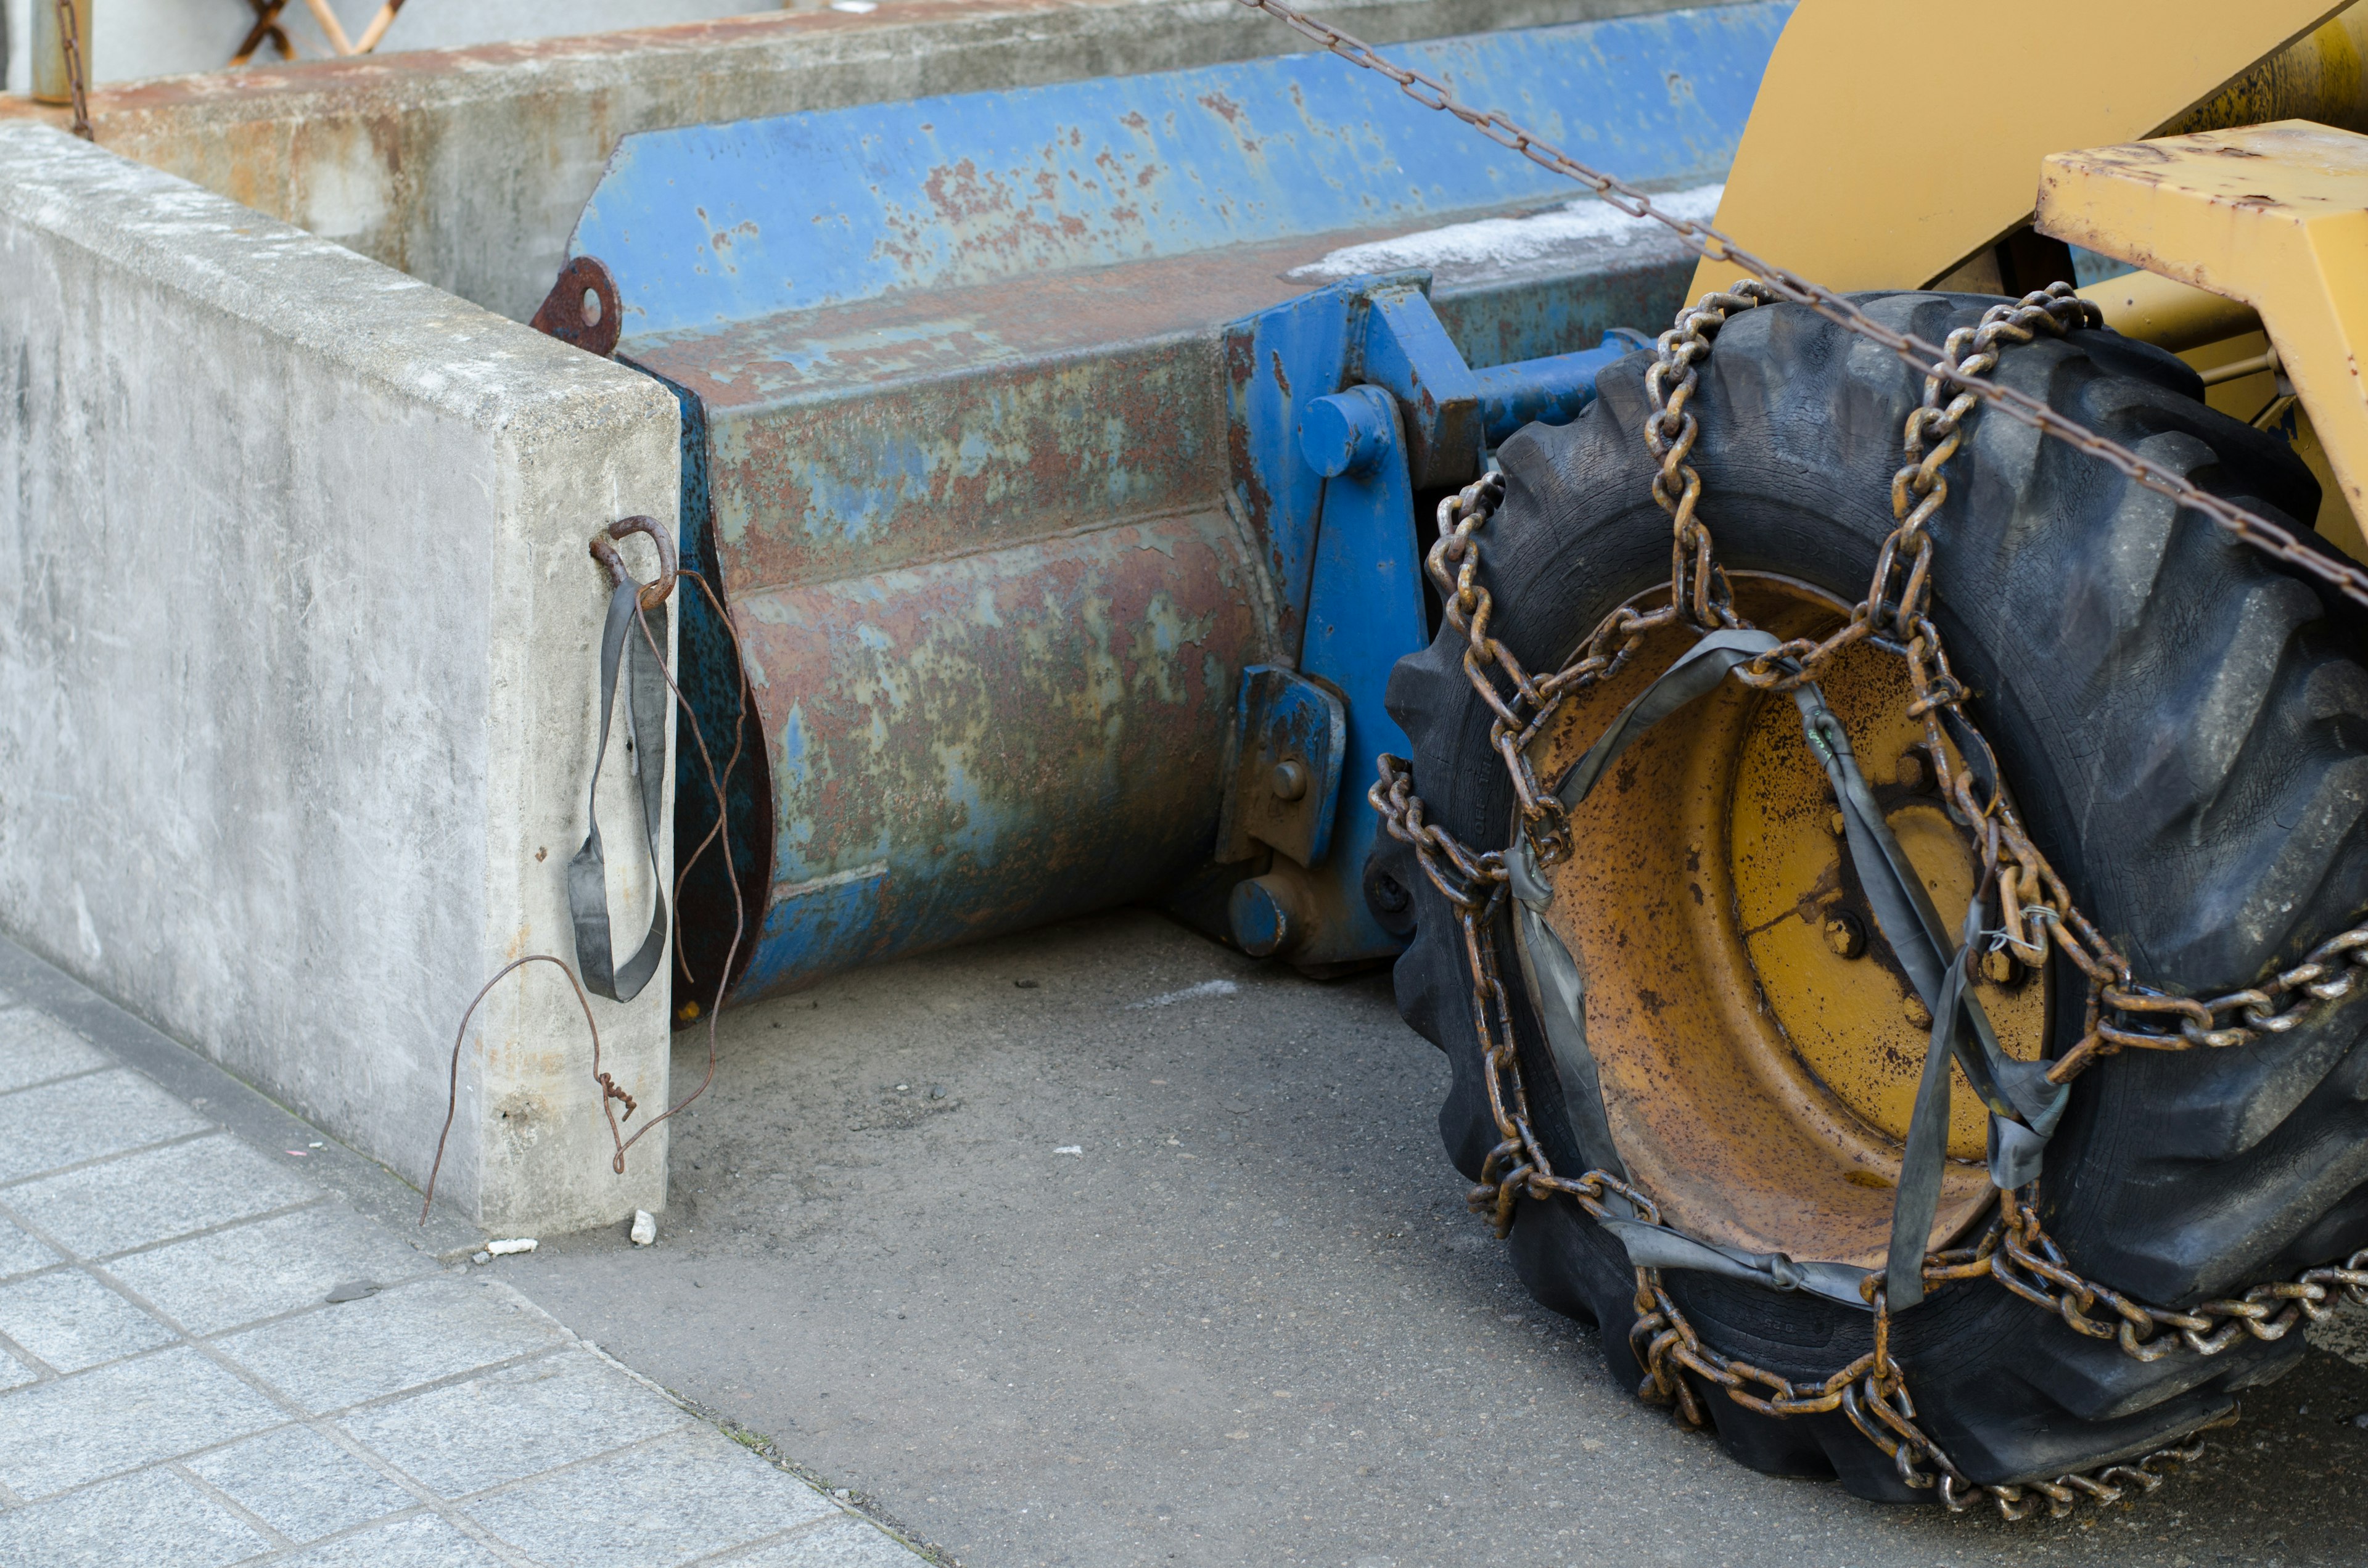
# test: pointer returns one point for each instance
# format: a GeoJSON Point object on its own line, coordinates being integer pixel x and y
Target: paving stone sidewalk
{"type": "Point", "coordinates": [176, 1392]}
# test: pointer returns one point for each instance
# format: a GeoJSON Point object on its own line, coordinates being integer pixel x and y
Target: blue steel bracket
{"type": "Point", "coordinates": [1407, 353]}
{"type": "Point", "coordinates": [1344, 402]}
{"type": "Point", "coordinates": [1285, 783]}
{"type": "Point", "coordinates": [1379, 330]}
{"type": "Point", "coordinates": [1364, 613]}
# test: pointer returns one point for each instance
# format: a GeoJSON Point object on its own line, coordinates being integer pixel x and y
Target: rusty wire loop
{"type": "Point", "coordinates": [77, 89]}
{"type": "Point", "coordinates": [2269, 537]}
{"type": "Point", "coordinates": [647, 600]}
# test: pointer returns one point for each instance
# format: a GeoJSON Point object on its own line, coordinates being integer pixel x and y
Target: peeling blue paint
{"type": "Point", "coordinates": [708, 224]}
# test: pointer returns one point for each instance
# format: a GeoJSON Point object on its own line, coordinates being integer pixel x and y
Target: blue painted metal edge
{"type": "Point", "coordinates": [709, 224]}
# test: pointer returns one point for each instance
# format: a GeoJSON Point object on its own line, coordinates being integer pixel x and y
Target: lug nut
{"type": "Point", "coordinates": [1845, 935]}
{"type": "Point", "coordinates": [1289, 781]}
{"type": "Point", "coordinates": [1917, 1014]}
{"type": "Point", "coordinates": [2000, 968]}
{"type": "Point", "coordinates": [1909, 773]}
{"type": "Point", "coordinates": [1838, 826]}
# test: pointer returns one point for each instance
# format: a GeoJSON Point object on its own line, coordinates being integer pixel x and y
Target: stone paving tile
{"type": "Point", "coordinates": [84, 1118]}
{"type": "Point", "coordinates": [517, 1422]}
{"type": "Point", "coordinates": [849, 1543]}
{"type": "Point", "coordinates": [155, 1195]}
{"type": "Point", "coordinates": [683, 1497]}
{"type": "Point", "coordinates": [34, 1048]}
{"type": "Point", "coordinates": [69, 1430]}
{"type": "Point", "coordinates": [395, 1340]}
{"type": "Point", "coordinates": [301, 1484]}
{"type": "Point", "coordinates": [72, 1321]}
{"type": "Point", "coordinates": [151, 1519]}
{"type": "Point", "coordinates": [421, 1541]}
{"type": "Point", "coordinates": [21, 1253]}
{"type": "Point", "coordinates": [212, 1283]}
{"type": "Point", "coordinates": [566, 1456]}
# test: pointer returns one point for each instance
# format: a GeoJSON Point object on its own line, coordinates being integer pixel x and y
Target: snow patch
{"type": "Point", "coordinates": [1494, 243]}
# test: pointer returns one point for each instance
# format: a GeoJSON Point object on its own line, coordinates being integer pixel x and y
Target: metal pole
{"type": "Point", "coordinates": [62, 57]}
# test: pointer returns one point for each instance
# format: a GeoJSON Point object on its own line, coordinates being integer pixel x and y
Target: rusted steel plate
{"type": "Point", "coordinates": [967, 467]}
{"type": "Point", "coordinates": [806, 489]}
{"type": "Point", "coordinates": [974, 746]}
{"type": "Point", "coordinates": [726, 222]}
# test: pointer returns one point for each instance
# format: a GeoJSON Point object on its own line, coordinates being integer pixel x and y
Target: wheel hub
{"type": "Point", "coordinates": [1757, 1043]}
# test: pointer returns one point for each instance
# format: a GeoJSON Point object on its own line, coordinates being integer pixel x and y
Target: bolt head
{"type": "Point", "coordinates": [2000, 968]}
{"type": "Point", "coordinates": [1845, 935]}
{"type": "Point", "coordinates": [1909, 773]}
{"type": "Point", "coordinates": [1917, 1014]}
{"type": "Point", "coordinates": [1289, 779]}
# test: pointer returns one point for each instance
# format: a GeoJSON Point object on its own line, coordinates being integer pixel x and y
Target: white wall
{"type": "Point", "coordinates": [137, 39]}
{"type": "Point", "coordinates": [298, 667]}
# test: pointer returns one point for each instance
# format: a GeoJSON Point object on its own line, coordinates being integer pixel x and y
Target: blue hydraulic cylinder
{"type": "Point", "coordinates": [1550, 390]}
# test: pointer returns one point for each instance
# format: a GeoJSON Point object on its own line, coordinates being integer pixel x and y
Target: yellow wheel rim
{"type": "Point", "coordinates": [1758, 1045]}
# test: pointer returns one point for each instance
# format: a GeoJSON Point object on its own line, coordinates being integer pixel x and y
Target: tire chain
{"type": "Point", "coordinates": [2015, 1251]}
{"type": "Point", "coordinates": [1870, 1391]}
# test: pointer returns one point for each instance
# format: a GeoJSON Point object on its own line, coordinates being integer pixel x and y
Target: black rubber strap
{"type": "Point", "coordinates": [2023, 1106]}
{"type": "Point", "coordinates": [1557, 988]}
{"type": "Point", "coordinates": [1659, 1246]}
{"type": "Point", "coordinates": [1558, 994]}
{"type": "Point", "coordinates": [1936, 968]}
{"type": "Point", "coordinates": [1697, 671]}
{"type": "Point", "coordinates": [587, 874]}
{"type": "Point", "coordinates": [1925, 1159]}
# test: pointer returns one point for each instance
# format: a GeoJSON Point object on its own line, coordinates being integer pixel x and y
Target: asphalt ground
{"type": "Point", "coordinates": [1104, 1245]}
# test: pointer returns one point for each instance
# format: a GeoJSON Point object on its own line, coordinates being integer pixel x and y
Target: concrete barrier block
{"type": "Point", "coordinates": [298, 670]}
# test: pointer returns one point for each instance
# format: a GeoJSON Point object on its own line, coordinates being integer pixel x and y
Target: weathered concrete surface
{"type": "Point", "coordinates": [297, 667]}
{"type": "Point", "coordinates": [467, 168]}
{"type": "Point", "coordinates": [1119, 1268]}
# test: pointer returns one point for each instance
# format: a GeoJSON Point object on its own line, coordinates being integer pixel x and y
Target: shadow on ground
{"type": "Point", "coordinates": [1104, 1245]}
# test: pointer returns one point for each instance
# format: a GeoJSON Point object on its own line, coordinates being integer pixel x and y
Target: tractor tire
{"type": "Point", "coordinates": [2184, 725]}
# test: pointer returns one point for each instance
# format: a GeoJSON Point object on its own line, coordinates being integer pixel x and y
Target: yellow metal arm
{"type": "Point", "coordinates": [2273, 216]}
{"type": "Point", "coordinates": [1893, 140]}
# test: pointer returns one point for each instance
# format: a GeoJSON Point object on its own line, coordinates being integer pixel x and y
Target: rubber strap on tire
{"type": "Point", "coordinates": [1558, 995]}
{"type": "Point", "coordinates": [587, 874]}
{"type": "Point", "coordinates": [1903, 911]}
{"type": "Point", "coordinates": [1557, 991]}
{"type": "Point", "coordinates": [2008, 1088]}
{"type": "Point", "coordinates": [1557, 988]}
